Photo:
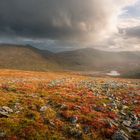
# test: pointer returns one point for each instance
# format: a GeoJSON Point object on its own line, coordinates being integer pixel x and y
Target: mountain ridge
{"type": "Point", "coordinates": [27, 57]}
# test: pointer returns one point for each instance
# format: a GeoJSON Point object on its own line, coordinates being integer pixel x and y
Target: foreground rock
{"type": "Point", "coordinates": [5, 111]}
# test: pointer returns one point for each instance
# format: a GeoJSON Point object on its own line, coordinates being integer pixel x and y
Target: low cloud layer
{"type": "Point", "coordinates": [86, 22]}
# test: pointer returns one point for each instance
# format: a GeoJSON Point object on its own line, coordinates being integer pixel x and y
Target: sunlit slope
{"type": "Point", "coordinates": [25, 57]}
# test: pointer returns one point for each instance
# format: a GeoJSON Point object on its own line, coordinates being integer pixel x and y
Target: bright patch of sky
{"type": "Point", "coordinates": [132, 11]}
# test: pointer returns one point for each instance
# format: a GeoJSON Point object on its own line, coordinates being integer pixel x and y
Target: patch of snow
{"type": "Point", "coordinates": [113, 73]}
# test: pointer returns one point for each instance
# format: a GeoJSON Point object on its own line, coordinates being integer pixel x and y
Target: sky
{"type": "Point", "coordinates": [61, 25]}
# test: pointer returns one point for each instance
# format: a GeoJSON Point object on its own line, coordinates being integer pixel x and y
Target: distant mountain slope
{"type": "Point", "coordinates": [30, 58]}
{"type": "Point", "coordinates": [91, 59]}
{"type": "Point", "coordinates": [25, 57]}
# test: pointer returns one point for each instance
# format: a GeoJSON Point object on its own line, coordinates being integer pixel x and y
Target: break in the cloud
{"type": "Point", "coordinates": [127, 38]}
{"type": "Point", "coordinates": [72, 21]}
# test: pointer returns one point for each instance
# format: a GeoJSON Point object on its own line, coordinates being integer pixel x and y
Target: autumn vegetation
{"type": "Point", "coordinates": [62, 106]}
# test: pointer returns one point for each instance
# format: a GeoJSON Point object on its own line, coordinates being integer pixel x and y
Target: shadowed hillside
{"type": "Point", "coordinates": [91, 59]}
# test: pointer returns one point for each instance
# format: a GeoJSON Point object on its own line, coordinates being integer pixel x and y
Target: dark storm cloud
{"type": "Point", "coordinates": [68, 23]}
{"type": "Point", "coordinates": [44, 18]}
{"type": "Point", "coordinates": [58, 19]}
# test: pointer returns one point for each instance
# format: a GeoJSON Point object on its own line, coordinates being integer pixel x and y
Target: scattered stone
{"type": "Point", "coordinates": [104, 105]}
{"type": "Point", "coordinates": [77, 107]}
{"type": "Point", "coordinates": [123, 113]}
{"type": "Point", "coordinates": [124, 107]}
{"type": "Point", "coordinates": [43, 108]}
{"type": "Point", "coordinates": [77, 126]}
{"type": "Point", "coordinates": [112, 122]}
{"type": "Point", "coordinates": [119, 136]}
{"type": "Point", "coordinates": [74, 119]}
{"type": "Point", "coordinates": [17, 112]}
{"type": "Point", "coordinates": [135, 101]}
{"type": "Point", "coordinates": [3, 114]}
{"type": "Point", "coordinates": [127, 123]}
{"type": "Point", "coordinates": [64, 107]}
{"type": "Point", "coordinates": [130, 130]}
{"type": "Point", "coordinates": [52, 123]}
{"type": "Point", "coordinates": [7, 109]}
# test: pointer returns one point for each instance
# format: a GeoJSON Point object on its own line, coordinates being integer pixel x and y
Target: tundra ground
{"type": "Point", "coordinates": [62, 106]}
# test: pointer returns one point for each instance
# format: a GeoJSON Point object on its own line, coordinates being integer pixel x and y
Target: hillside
{"type": "Point", "coordinates": [30, 58]}
{"type": "Point", "coordinates": [25, 57]}
{"type": "Point", "coordinates": [91, 59]}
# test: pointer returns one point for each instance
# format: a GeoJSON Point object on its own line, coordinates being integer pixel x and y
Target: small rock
{"type": "Point", "coordinates": [112, 122]}
{"type": "Point", "coordinates": [7, 109]}
{"type": "Point", "coordinates": [135, 101]}
{"type": "Point", "coordinates": [52, 123]}
{"type": "Point", "coordinates": [4, 111]}
{"type": "Point", "coordinates": [77, 126]}
{"type": "Point", "coordinates": [123, 113]}
{"type": "Point", "coordinates": [124, 107]}
{"type": "Point", "coordinates": [74, 119]}
{"type": "Point", "coordinates": [104, 105]}
{"type": "Point", "coordinates": [64, 107]}
{"type": "Point", "coordinates": [17, 112]}
{"type": "Point", "coordinates": [77, 107]}
{"type": "Point", "coordinates": [127, 123]}
{"type": "Point", "coordinates": [3, 114]}
{"type": "Point", "coordinates": [119, 136]}
{"type": "Point", "coordinates": [43, 108]}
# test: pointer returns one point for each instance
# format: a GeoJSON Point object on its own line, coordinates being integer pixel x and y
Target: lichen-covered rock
{"type": "Point", "coordinates": [7, 109]}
